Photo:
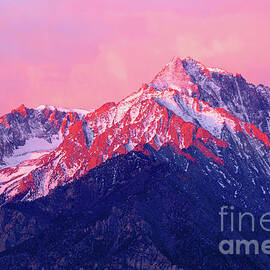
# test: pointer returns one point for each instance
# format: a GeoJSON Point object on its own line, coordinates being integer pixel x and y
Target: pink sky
{"type": "Point", "coordinates": [81, 53]}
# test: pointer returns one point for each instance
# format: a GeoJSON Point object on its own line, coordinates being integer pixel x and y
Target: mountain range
{"type": "Point", "coordinates": [137, 184]}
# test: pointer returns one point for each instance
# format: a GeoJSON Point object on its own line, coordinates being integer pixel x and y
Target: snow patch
{"type": "Point", "coordinates": [33, 148]}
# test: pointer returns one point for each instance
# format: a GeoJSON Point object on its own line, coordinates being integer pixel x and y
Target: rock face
{"type": "Point", "coordinates": [139, 184]}
{"type": "Point", "coordinates": [244, 100]}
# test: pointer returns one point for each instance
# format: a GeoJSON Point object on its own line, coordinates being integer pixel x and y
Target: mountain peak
{"type": "Point", "coordinates": [175, 60]}
{"type": "Point", "coordinates": [21, 110]}
{"type": "Point", "coordinates": [180, 73]}
{"type": "Point", "coordinates": [173, 75]}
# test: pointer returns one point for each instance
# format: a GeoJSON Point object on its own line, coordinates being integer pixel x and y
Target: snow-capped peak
{"type": "Point", "coordinates": [169, 111]}
{"type": "Point", "coordinates": [174, 76]}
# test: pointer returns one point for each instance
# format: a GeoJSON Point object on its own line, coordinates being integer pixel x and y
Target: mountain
{"type": "Point", "coordinates": [140, 183]}
{"type": "Point", "coordinates": [186, 106]}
